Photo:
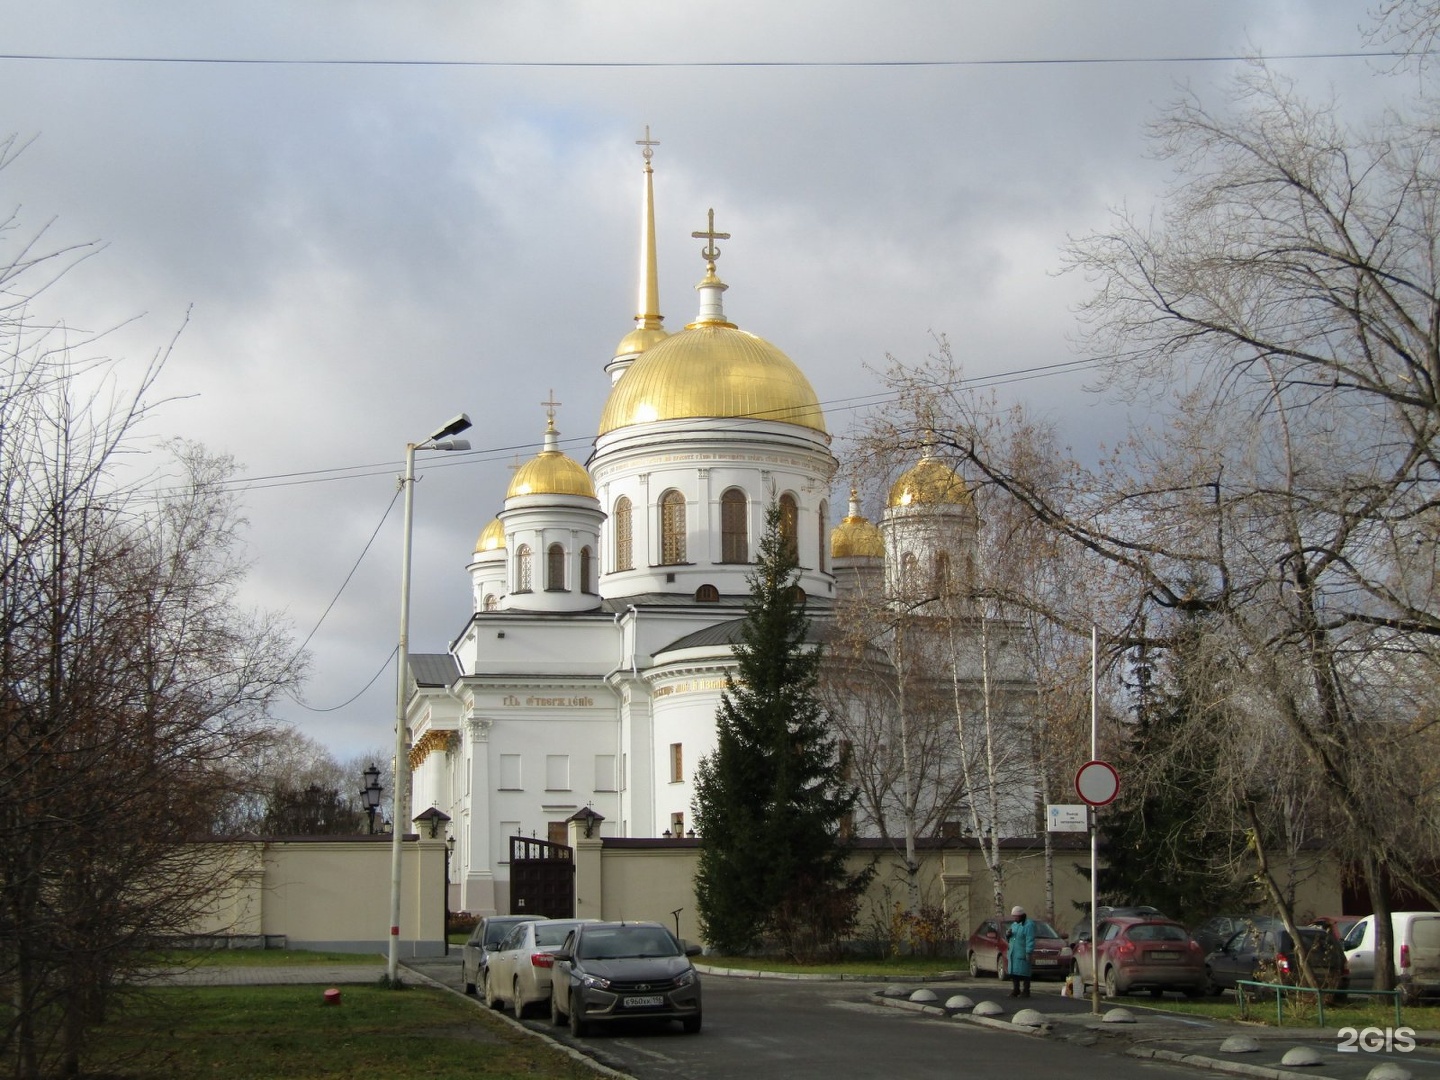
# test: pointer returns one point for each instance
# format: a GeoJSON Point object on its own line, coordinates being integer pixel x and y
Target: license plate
{"type": "Point", "coordinates": [1165, 957]}
{"type": "Point", "coordinates": [1046, 963]}
{"type": "Point", "coordinates": [643, 1002]}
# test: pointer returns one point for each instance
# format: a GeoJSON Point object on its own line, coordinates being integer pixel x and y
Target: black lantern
{"type": "Point", "coordinates": [370, 794]}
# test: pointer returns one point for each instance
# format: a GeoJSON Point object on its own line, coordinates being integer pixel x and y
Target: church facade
{"type": "Point", "coordinates": [606, 595]}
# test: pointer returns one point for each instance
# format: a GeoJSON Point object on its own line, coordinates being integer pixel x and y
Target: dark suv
{"type": "Point", "coordinates": [483, 940]}
{"type": "Point", "coordinates": [1268, 953]}
{"type": "Point", "coordinates": [624, 971]}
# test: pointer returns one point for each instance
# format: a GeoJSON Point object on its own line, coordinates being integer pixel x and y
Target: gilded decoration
{"type": "Point", "coordinates": [929, 482]}
{"type": "Point", "coordinates": [430, 742]}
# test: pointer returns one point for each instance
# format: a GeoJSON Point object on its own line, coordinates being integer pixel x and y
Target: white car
{"type": "Point", "coordinates": [1416, 942]}
{"type": "Point", "coordinates": [520, 970]}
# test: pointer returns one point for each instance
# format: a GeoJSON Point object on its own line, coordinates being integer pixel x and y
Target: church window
{"type": "Point", "coordinates": [677, 762]}
{"type": "Point", "coordinates": [510, 772]}
{"type": "Point", "coordinates": [492, 602]}
{"type": "Point", "coordinates": [944, 583]}
{"type": "Point", "coordinates": [734, 533]}
{"type": "Point", "coordinates": [587, 570]}
{"type": "Point", "coordinates": [824, 533]}
{"type": "Point", "coordinates": [672, 528]}
{"type": "Point", "coordinates": [604, 772]}
{"type": "Point", "coordinates": [557, 772]}
{"type": "Point", "coordinates": [909, 567]}
{"type": "Point", "coordinates": [522, 568]}
{"type": "Point", "coordinates": [624, 538]}
{"type": "Point", "coordinates": [789, 525]}
{"type": "Point", "coordinates": [557, 832]}
{"type": "Point", "coordinates": [707, 594]}
{"type": "Point", "coordinates": [555, 568]}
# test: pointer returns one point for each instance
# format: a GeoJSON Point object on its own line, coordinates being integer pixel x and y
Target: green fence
{"type": "Point", "coordinates": [1283, 988]}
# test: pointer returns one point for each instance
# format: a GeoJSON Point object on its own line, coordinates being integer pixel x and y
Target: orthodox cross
{"type": "Point", "coordinates": [710, 251]}
{"type": "Point", "coordinates": [647, 143]}
{"type": "Point", "coordinates": [550, 406]}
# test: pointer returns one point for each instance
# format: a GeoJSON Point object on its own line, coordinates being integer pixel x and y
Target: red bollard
{"type": "Point", "coordinates": [332, 997]}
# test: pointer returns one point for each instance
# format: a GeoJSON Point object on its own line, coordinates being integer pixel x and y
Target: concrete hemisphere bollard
{"type": "Point", "coordinates": [959, 1003]}
{"type": "Point", "coordinates": [987, 1008]}
{"type": "Point", "coordinates": [1240, 1044]}
{"type": "Point", "coordinates": [1388, 1070]}
{"type": "Point", "coordinates": [924, 996]}
{"type": "Point", "coordinates": [895, 990]}
{"type": "Point", "coordinates": [1118, 1015]}
{"type": "Point", "coordinates": [1028, 1018]}
{"type": "Point", "coordinates": [1300, 1056]}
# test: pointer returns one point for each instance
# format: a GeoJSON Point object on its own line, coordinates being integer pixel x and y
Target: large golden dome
{"type": "Point", "coordinates": [551, 472]}
{"type": "Point", "coordinates": [492, 538]}
{"type": "Point", "coordinates": [855, 536]}
{"type": "Point", "coordinates": [929, 482]}
{"type": "Point", "coordinates": [712, 371]}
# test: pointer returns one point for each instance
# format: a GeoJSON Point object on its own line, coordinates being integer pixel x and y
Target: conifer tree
{"type": "Point", "coordinates": [771, 800]}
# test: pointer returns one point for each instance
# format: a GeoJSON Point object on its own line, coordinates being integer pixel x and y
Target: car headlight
{"type": "Point", "coordinates": [685, 978]}
{"type": "Point", "coordinates": [594, 982]}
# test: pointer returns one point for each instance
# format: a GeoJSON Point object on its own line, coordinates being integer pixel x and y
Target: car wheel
{"type": "Point", "coordinates": [974, 966]}
{"type": "Point", "coordinates": [469, 984]}
{"type": "Point", "coordinates": [579, 1028]}
{"type": "Point", "coordinates": [491, 998]}
{"type": "Point", "coordinates": [1112, 985]}
{"type": "Point", "coordinates": [691, 1024]}
{"type": "Point", "coordinates": [556, 1016]}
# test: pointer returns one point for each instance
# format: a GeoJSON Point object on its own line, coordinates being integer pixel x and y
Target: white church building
{"type": "Point", "coordinates": [606, 593]}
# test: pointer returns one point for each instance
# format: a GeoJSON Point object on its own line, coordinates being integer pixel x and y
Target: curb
{"type": "Point", "coordinates": [796, 976]}
{"type": "Point", "coordinates": [569, 1051]}
{"type": "Point", "coordinates": [979, 1021]}
{"type": "Point", "coordinates": [1235, 1068]}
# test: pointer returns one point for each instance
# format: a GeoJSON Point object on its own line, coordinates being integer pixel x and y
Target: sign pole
{"type": "Point", "coordinates": [1094, 833]}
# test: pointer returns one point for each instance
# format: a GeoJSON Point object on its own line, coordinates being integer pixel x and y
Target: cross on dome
{"type": "Point", "coordinates": [550, 406]}
{"type": "Point", "coordinates": [710, 251]}
{"type": "Point", "coordinates": [647, 143]}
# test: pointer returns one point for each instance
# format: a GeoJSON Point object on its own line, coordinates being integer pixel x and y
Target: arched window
{"type": "Point", "coordinates": [587, 570]}
{"type": "Point", "coordinates": [707, 594]}
{"type": "Point", "coordinates": [522, 568]}
{"type": "Point", "coordinates": [909, 566]}
{"type": "Point", "coordinates": [492, 602]}
{"type": "Point", "coordinates": [944, 583]}
{"type": "Point", "coordinates": [624, 542]}
{"type": "Point", "coordinates": [734, 531]}
{"type": "Point", "coordinates": [790, 525]}
{"type": "Point", "coordinates": [555, 568]}
{"type": "Point", "coordinates": [672, 528]}
{"type": "Point", "coordinates": [824, 534]}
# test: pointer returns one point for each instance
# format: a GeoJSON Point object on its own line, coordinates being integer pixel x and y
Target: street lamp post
{"type": "Point", "coordinates": [440, 439]}
{"type": "Point", "coordinates": [370, 794]}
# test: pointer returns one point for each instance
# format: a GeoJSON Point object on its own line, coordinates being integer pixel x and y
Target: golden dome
{"type": "Point", "coordinates": [640, 339]}
{"type": "Point", "coordinates": [855, 536]}
{"type": "Point", "coordinates": [929, 482]}
{"type": "Point", "coordinates": [713, 371]}
{"type": "Point", "coordinates": [492, 538]}
{"type": "Point", "coordinates": [551, 472]}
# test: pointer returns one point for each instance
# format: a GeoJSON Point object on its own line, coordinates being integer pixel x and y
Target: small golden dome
{"type": "Point", "coordinates": [712, 371]}
{"type": "Point", "coordinates": [929, 482]}
{"type": "Point", "coordinates": [639, 340]}
{"type": "Point", "coordinates": [854, 537]}
{"type": "Point", "coordinates": [492, 538]}
{"type": "Point", "coordinates": [551, 472]}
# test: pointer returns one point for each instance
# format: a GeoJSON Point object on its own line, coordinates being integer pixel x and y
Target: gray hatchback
{"type": "Point", "coordinates": [609, 971]}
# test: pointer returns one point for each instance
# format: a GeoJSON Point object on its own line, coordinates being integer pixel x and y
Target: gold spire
{"type": "Point", "coordinates": [649, 317]}
{"type": "Point", "coordinates": [711, 288]}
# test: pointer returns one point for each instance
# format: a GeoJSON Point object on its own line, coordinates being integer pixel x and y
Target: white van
{"type": "Point", "coordinates": [1417, 953]}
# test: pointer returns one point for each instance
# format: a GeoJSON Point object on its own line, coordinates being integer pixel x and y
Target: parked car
{"type": "Point", "coordinates": [987, 950]}
{"type": "Point", "coordinates": [1339, 925]}
{"type": "Point", "coordinates": [1081, 931]}
{"type": "Point", "coordinates": [1267, 953]}
{"type": "Point", "coordinates": [1141, 953]}
{"type": "Point", "coordinates": [518, 972]}
{"type": "Point", "coordinates": [1218, 929]}
{"type": "Point", "coordinates": [483, 940]}
{"type": "Point", "coordinates": [610, 971]}
{"type": "Point", "coordinates": [1416, 944]}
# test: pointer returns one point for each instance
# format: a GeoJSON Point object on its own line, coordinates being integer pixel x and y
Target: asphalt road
{"type": "Point", "coordinates": [756, 1028]}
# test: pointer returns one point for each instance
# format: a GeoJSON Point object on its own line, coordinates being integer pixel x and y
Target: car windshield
{"type": "Point", "coordinates": [552, 933]}
{"type": "Point", "coordinates": [624, 942]}
{"type": "Point", "coordinates": [1044, 929]}
{"type": "Point", "coordinates": [1157, 932]}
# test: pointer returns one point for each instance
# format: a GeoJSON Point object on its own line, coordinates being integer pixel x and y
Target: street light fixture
{"type": "Point", "coordinates": [440, 439]}
{"type": "Point", "coordinates": [370, 794]}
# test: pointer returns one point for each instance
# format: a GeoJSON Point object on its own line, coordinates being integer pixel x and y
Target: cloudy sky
{"type": "Point", "coordinates": [379, 215]}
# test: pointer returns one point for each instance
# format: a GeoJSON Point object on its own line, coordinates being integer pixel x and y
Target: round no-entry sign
{"type": "Point", "coordinates": [1097, 783]}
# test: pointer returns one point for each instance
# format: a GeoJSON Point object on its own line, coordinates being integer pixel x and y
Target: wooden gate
{"type": "Point", "coordinates": [542, 878]}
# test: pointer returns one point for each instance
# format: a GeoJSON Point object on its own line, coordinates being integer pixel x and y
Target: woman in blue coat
{"type": "Point", "coordinates": [1021, 938]}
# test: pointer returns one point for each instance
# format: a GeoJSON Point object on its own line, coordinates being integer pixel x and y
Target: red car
{"type": "Point", "coordinates": [1142, 954]}
{"type": "Point", "coordinates": [987, 950]}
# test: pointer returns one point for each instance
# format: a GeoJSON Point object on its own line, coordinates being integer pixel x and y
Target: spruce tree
{"type": "Point", "coordinates": [771, 800]}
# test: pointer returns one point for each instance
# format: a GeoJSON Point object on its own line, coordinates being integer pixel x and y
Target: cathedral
{"type": "Point", "coordinates": [606, 594]}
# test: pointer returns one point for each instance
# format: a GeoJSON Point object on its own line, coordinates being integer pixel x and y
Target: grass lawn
{"type": "Point", "coordinates": [230, 1033]}
{"type": "Point", "coordinates": [1297, 1013]}
{"type": "Point", "coordinates": [851, 965]}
